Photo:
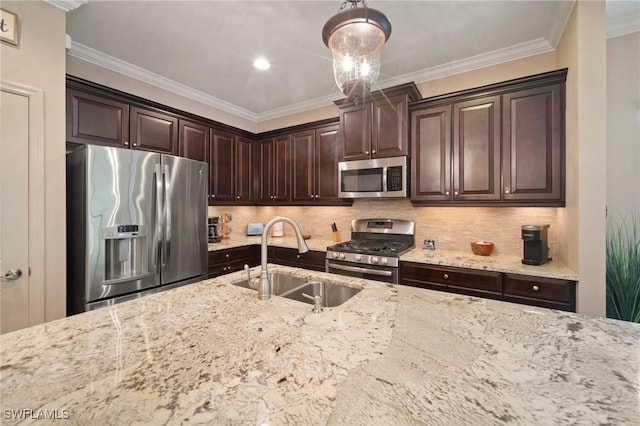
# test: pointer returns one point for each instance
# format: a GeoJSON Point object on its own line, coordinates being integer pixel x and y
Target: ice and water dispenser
{"type": "Point", "coordinates": [126, 252]}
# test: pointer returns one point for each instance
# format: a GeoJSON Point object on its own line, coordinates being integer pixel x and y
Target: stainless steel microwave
{"type": "Point", "coordinates": [375, 178]}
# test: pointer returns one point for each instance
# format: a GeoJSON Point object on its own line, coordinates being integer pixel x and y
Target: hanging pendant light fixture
{"type": "Point", "coordinates": [355, 35]}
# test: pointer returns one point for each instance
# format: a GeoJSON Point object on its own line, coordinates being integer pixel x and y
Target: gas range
{"type": "Point", "coordinates": [374, 249]}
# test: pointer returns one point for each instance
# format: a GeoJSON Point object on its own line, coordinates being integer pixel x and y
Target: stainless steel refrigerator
{"type": "Point", "coordinates": [136, 224]}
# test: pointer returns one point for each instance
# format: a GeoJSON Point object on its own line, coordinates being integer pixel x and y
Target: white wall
{"type": "Point", "coordinates": [623, 125]}
{"type": "Point", "coordinates": [582, 49]}
{"type": "Point", "coordinates": [39, 62]}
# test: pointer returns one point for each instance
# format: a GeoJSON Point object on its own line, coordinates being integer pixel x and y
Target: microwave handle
{"type": "Point", "coordinates": [385, 188]}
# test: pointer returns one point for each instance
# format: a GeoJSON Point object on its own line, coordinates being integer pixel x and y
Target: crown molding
{"type": "Point", "coordinates": [562, 13]}
{"type": "Point", "coordinates": [507, 54]}
{"type": "Point", "coordinates": [103, 60]}
{"type": "Point", "coordinates": [67, 5]}
{"type": "Point", "coordinates": [623, 25]}
{"type": "Point", "coordinates": [96, 57]}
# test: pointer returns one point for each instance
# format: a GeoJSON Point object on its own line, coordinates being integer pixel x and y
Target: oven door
{"type": "Point", "coordinates": [386, 274]}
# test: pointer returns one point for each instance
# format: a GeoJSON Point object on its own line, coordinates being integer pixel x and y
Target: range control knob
{"type": "Point", "coordinates": [358, 258]}
{"type": "Point", "coordinates": [374, 260]}
{"type": "Point", "coordinates": [342, 256]}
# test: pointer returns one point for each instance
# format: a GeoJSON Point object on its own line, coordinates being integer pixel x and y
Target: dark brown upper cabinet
{"type": "Point", "coordinates": [315, 155]}
{"type": "Point", "coordinates": [95, 119]}
{"type": "Point", "coordinates": [533, 144]}
{"type": "Point", "coordinates": [274, 170]}
{"type": "Point", "coordinates": [501, 144]}
{"type": "Point", "coordinates": [193, 140]}
{"type": "Point", "coordinates": [476, 150]}
{"type": "Point", "coordinates": [152, 130]}
{"type": "Point", "coordinates": [379, 126]}
{"type": "Point", "coordinates": [221, 167]}
{"type": "Point", "coordinates": [230, 169]}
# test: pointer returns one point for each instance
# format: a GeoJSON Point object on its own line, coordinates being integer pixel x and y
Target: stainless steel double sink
{"type": "Point", "coordinates": [292, 287]}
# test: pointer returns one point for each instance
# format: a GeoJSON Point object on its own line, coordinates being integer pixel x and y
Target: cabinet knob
{"type": "Point", "coordinates": [535, 288]}
{"type": "Point", "coordinates": [125, 143]}
{"type": "Point", "coordinates": [446, 276]}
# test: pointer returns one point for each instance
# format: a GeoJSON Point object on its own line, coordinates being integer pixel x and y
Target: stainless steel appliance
{"type": "Point", "coordinates": [374, 249]}
{"type": "Point", "coordinates": [536, 249]}
{"type": "Point", "coordinates": [375, 178]}
{"type": "Point", "coordinates": [214, 233]}
{"type": "Point", "coordinates": [136, 223]}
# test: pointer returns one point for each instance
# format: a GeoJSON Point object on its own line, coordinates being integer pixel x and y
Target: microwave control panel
{"type": "Point", "coordinates": [394, 178]}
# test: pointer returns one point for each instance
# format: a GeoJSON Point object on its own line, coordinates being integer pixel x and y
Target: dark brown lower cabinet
{"type": "Point", "coordinates": [524, 289]}
{"type": "Point", "coordinates": [455, 280]}
{"type": "Point", "coordinates": [313, 260]}
{"type": "Point", "coordinates": [230, 260]}
{"type": "Point", "coordinates": [544, 292]}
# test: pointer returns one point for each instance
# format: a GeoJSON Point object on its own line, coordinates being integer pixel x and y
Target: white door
{"type": "Point", "coordinates": [15, 127]}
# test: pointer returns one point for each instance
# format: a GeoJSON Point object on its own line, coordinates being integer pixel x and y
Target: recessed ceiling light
{"type": "Point", "coordinates": [261, 64]}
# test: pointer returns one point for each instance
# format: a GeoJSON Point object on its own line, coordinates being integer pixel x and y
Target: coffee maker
{"type": "Point", "coordinates": [214, 235]}
{"type": "Point", "coordinates": [536, 249]}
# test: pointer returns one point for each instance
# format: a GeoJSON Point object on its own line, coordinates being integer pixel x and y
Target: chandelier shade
{"type": "Point", "coordinates": [355, 37]}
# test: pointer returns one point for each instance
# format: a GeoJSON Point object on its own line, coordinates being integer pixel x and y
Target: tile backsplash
{"type": "Point", "coordinates": [452, 228]}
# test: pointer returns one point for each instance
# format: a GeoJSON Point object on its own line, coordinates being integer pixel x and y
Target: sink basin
{"type": "Point", "coordinates": [291, 287]}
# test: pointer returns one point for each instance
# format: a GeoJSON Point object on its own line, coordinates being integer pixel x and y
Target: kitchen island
{"type": "Point", "coordinates": [211, 353]}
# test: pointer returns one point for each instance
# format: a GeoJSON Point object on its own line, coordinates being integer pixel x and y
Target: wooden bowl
{"type": "Point", "coordinates": [482, 248]}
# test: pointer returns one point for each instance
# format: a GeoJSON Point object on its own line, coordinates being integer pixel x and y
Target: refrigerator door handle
{"type": "Point", "coordinates": [167, 217]}
{"type": "Point", "coordinates": [157, 235]}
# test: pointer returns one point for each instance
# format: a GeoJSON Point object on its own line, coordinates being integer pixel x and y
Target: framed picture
{"type": "Point", "coordinates": [8, 27]}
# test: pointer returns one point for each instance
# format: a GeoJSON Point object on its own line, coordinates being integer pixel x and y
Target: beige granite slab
{"type": "Point", "coordinates": [496, 262]}
{"type": "Point", "coordinates": [211, 353]}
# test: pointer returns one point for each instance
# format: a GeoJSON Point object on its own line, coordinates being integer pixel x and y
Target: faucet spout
{"type": "Point", "coordinates": [264, 289]}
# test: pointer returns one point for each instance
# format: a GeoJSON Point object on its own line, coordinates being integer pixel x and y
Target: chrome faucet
{"type": "Point", "coordinates": [264, 289]}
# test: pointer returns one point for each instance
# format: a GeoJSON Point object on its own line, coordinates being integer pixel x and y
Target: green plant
{"type": "Point", "coordinates": [623, 268]}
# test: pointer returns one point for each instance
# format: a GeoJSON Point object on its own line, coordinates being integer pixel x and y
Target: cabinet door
{"type": "Point", "coordinates": [476, 150]}
{"type": "Point", "coordinates": [153, 131]}
{"type": "Point", "coordinates": [328, 152]}
{"type": "Point", "coordinates": [193, 140]}
{"type": "Point", "coordinates": [389, 135]}
{"type": "Point", "coordinates": [96, 120]}
{"type": "Point", "coordinates": [302, 148]}
{"type": "Point", "coordinates": [355, 129]}
{"type": "Point", "coordinates": [244, 167]}
{"type": "Point", "coordinates": [431, 154]}
{"type": "Point", "coordinates": [264, 171]}
{"type": "Point", "coordinates": [221, 167]}
{"type": "Point", "coordinates": [533, 159]}
{"type": "Point", "coordinates": [281, 187]}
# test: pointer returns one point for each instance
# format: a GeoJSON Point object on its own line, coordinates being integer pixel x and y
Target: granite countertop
{"type": "Point", "coordinates": [211, 353]}
{"type": "Point", "coordinates": [460, 259]}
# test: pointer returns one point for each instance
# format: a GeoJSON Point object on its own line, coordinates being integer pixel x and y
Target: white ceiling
{"type": "Point", "coordinates": [204, 49]}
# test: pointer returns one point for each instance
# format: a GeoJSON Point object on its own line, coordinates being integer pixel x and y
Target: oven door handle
{"type": "Point", "coordinates": [363, 270]}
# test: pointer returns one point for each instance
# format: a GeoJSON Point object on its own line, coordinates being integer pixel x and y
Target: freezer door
{"type": "Point", "coordinates": [118, 251]}
{"type": "Point", "coordinates": [184, 248]}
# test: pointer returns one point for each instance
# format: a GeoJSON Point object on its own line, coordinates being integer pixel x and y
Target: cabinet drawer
{"type": "Point", "coordinates": [233, 254]}
{"type": "Point", "coordinates": [465, 281]}
{"type": "Point", "coordinates": [545, 289]}
{"type": "Point", "coordinates": [292, 255]}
